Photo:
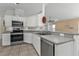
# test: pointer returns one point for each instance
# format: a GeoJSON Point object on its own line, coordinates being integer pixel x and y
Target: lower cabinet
{"type": "Point", "coordinates": [28, 37]}
{"type": "Point", "coordinates": [66, 49]}
{"type": "Point", "coordinates": [33, 39]}
{"type": "Point", "coordinates": [36, 43]}
{"type": "Point", "coordinates": [5, 39]}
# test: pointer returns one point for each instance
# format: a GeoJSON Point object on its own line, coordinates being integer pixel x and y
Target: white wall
{"type": "Point", "coordinates": [62, 10]}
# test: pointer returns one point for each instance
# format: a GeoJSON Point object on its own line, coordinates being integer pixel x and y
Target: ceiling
{"type": "Point", "coordinates": [53, 10]}
{"type": "Point", "coordinates": [62, 10]}
{"type": "Point", "coordinates": [22, 9]}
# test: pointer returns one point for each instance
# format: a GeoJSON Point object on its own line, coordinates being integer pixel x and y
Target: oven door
{"type": "Point", "coordinates": [16, 37]}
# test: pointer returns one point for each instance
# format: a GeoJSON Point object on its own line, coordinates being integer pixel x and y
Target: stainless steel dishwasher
{"type": "Point", "coordinates": [47, 48]}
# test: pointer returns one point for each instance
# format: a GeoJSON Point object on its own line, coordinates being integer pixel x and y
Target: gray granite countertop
{"type": "Point", "coordinates": [54, 38]}
{"type": "Point", "coordinates": [28, 31]}
{"type": "Point", "coordinates": [35, 31]}
{"type": "Point", "coordinates": [57, 39]}
{"type": "Point", "coordinates": [51, 32]}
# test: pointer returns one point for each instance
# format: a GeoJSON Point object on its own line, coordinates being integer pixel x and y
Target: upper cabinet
{"type": "Point", "coordinates": [8, 21]}
{"type": "Point", "coordinates": [34, 21]}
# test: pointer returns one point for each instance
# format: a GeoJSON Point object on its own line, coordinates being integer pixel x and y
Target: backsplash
{"type": "Point", "coordinates": [34, 28]}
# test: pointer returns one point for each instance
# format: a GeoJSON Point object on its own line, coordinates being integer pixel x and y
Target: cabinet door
{"type": "Point", "coordinates": [25, 22]}
{"type": "Point", "coordinates": [28, 37]}
{"type": "Point", "coordinates": [36, 43]}
{"type": "Point", "coordinates": [32, 21]}
{"type": "Point", "coordinates": [8, 21]}
{"type": "Point", "coordinates": [5, 39]}
{"type": "Point", "coordinates": [65, 49]}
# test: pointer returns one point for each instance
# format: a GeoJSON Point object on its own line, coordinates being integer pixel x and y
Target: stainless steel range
{"type": "Point", "coordinates": [17, 33]}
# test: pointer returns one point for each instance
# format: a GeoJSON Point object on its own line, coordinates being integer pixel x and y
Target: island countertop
{"type": "Point", "coordinates": [57, 39]}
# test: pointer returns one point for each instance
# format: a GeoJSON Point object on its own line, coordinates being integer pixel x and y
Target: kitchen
{"type": "Point", "coordinates": [39, 29]}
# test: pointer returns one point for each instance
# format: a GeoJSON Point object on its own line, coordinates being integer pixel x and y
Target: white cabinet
{"type": "Point", "coordinates": [25, 21]}
{"type": "Point", "coordinates": [36, 43]}
{"type": "Point", "coordinates": [5, 39]}
{"type": "Point", "coordinates": [32, 21]}
{"type": "Point", "coordinates": [65, 49]}
{"type": "Point", "coordinates": [33, 39]}
{"type": "Point", "coordinates": [9, 12]}
{"type": "Point", "coordinates": [27, 37]}
{"type": "Point", "coordinates": [8, 21]}
{"type": "Point", "coordinates": [76, 45]}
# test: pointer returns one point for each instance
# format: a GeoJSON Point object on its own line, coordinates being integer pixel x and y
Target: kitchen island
{"type": "Point", "coordinates": [57, 45]}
